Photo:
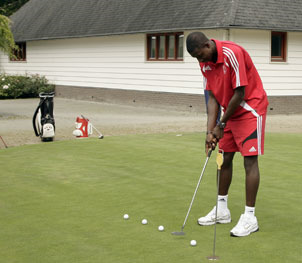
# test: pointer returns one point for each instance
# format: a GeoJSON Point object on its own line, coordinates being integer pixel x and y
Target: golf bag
{"type": "Point", "coordinates": [43, 119]}
{"type": "Point", "coordinates": [83, 128]}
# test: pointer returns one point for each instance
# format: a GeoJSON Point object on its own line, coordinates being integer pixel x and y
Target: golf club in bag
{"type": "Point", "coordinates": [43, 119]}
{"type": "Point", "coordinates": [181, 233]}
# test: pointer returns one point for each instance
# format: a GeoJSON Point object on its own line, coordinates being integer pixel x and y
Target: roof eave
{"type": "Point", "coordinates": [162, 31]}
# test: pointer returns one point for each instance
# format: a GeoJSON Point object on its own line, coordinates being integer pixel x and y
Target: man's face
{"type": "Point", "coordinates": [203, 54]}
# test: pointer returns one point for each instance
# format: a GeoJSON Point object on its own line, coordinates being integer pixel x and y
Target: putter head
{"type": "Point", "coordinates": [178, 233]}
{"type": "Point", "coordinates": [101, 137]}
{"type": "Point", "coordinates": [213, 258]}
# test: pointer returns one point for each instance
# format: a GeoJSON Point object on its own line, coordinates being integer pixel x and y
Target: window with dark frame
{"type": "Point", "coordinates": [20, 53]}
{"type": "Point", "coordinates": [279, 46]}
{"type": "Point", "coordinates": [165, 47]}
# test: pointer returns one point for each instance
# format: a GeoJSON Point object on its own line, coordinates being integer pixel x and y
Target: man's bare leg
{"type": "Point", "coordinates": [252, 179]}
{"type": "Point", "coordinates": [226, 173]}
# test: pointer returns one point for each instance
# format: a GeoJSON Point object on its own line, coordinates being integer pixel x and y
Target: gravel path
{"type": "Point", "coordinates": [16, 120]}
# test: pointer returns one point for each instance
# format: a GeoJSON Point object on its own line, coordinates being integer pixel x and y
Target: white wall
{"type": "Point", "coordinates": [119, 62]}
{"type": "Point", "coordinates": [279, 78]}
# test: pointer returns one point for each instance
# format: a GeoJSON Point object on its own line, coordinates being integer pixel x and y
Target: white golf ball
{"type": "Point", "coordinates": [126, 216]}
{"type": "Point", "coordinates": [144, 221]}
{"type": "Point", "coordinates": [193, 243]}
{"type": "Point", "coordinates": [161, 228]}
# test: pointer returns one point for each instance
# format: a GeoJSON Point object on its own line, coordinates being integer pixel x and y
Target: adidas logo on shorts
{"type": "Point", "coordinates": [252, 150]}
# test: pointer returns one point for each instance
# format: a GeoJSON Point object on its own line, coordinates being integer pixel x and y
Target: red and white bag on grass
{"type": "Point", "coordinates": [83, 128]}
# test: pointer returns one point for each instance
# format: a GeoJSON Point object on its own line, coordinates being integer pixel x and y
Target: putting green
{"type": "Point", "coordinates": [64, 201]}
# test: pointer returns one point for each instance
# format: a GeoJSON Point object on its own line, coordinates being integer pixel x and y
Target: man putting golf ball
{"type": "Point", "coordinates": [233, 84]}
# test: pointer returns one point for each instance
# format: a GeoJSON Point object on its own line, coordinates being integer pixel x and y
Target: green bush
{"type": "Point", "coordinates": [28, 86]}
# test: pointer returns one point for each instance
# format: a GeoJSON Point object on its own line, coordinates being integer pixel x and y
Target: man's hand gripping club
{"type": "Point", "coordinates": [211, 142]}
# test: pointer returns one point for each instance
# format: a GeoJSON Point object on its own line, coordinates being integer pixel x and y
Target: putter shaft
{"type": "Point", "coordinates": [201, 175]}
{"type": "Point", "coordinates": [219, 161]}
{"type": "Point", "coordinates": [214, 244]}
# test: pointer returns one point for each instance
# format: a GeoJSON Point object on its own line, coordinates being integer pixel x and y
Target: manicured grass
{"type": "Point", "coordinates": [65, 201]}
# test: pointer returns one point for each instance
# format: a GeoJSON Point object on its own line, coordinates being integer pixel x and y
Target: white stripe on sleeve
{"type": "Point", "coordinates": [234, 62]}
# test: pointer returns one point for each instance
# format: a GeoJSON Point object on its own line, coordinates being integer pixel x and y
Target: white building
{"type": "Point", "coordinates": [133, 51]}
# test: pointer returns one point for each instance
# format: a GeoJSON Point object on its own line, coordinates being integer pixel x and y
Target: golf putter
{"type": "Point", "coordinates": [101, 136]}
{"type": "Point", "coordinates": [219, 161]}
{"type": "Point", "coordinates": [182, 233]}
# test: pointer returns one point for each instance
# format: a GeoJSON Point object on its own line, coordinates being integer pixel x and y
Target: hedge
{"type": "Point", "coordinates": [28, 86]}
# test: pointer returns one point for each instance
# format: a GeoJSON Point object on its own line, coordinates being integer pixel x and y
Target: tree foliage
{"type": "Point", "coordinates": [7, 43]}
{"type": "Point", "coordinates": [8, 7]}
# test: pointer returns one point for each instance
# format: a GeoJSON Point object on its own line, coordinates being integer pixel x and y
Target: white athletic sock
{"type": "Point", "coordinates": [250, 211]}
{"type": "Point", "coordinates": [222, 202]}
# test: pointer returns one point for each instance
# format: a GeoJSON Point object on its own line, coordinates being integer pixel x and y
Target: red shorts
{"type": "Point", "coordinates": [245, 136]}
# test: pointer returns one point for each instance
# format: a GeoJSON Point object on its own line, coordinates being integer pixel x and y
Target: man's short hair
{"type": "Point", "coordinates": [195, 40]}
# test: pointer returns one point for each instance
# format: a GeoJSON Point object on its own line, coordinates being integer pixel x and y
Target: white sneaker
{"type": "Point", "coordinates": [223, 217]}
{"type": "Point", "coordinates": [245, 226]}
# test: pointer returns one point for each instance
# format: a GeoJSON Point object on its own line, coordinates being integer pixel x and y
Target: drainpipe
{"type": "Point", "coordinates": [228, 34]}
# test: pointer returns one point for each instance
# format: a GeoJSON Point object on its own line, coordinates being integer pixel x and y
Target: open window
{"type": "Point", "coordinates": [20, 53]}
{"type": "Point", "coordinates": [279, 46]}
